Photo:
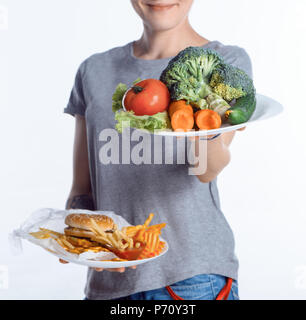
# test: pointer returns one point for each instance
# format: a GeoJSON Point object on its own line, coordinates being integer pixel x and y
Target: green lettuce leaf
{"type": "Point", "coordinates": [129, 119]}
{"type": "Point", "coordinates": [117, 96]}
{"type": "Point", "coordinates": [136, 81]}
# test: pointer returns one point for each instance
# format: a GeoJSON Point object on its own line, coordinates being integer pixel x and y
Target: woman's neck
{"type": "Point", "coordinates": [163, 44]}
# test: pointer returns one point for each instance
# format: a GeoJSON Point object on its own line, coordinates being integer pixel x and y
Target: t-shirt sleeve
{"type": "Point", "coordinates": [242, 61]}
{"type": "Point", "coordinates": [76, 103]}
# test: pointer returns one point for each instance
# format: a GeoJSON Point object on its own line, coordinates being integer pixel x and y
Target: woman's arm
{"type": "Point", "coordinates": [80, 196]}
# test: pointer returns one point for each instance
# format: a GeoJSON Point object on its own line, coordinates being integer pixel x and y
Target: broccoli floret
{"type": "Point", "coordinates": [230, 82]}
{"type": "Point", "coordinates": [217, 103]}
{"type": "Point", "coordinates": [188, 74]}
{"type": "Point", "coordinates": [202, 78]}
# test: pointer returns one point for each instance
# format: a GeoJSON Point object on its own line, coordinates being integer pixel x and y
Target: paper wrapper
{"type": "Point", "coordinates": [54, 220]}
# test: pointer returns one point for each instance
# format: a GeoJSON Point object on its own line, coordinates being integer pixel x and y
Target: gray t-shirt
{"type": "Point", "coordinates": [199, 237]}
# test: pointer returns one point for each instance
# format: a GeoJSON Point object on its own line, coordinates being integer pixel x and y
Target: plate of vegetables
{"type": "Point", "coordinates": [197, 94]}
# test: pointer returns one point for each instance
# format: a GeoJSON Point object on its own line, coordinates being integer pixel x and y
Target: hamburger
{"type": "Point", "coordinates": [80, 225]}
{"type": "Point", "coordinates": [94, 230]}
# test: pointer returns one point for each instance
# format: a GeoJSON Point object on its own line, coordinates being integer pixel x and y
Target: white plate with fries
{"type": "Point", "coordinates": [45, 228]}
{"type": "Point", "coordinates": [113, 264]}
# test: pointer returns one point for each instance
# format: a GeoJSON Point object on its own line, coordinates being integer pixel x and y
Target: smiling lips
{"type": "Point", "coordinates": [160, 7]}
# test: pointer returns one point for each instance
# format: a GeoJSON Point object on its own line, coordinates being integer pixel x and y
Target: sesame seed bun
{"type": "Point", "coordinates": [80, 225]}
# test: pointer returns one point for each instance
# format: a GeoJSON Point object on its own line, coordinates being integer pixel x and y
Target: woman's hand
{"type": "Point", "coordinates": [122, 269]}
{"type": "Point", "coordinates": [217, 155]}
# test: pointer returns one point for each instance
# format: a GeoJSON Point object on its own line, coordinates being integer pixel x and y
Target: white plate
{"type": "Point", "coordinates": [112, 264]}
{"type": "Point", "coordinates": [265, 108]}
{"type": "Point", "coordinates": [53, 219]}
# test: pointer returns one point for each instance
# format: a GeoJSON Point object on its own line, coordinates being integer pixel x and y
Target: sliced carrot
{"type": "Point", "coordinates": [181, 115]}
{"type": "Point", "coordinates": [178, 105]}
{"type": "Point", "coordinates": [182, 120]}
{"type": "Point", "coordinates": [207, 119]}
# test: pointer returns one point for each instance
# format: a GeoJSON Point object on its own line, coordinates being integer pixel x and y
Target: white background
{"type": "Point", "coordinates": [262, 190]}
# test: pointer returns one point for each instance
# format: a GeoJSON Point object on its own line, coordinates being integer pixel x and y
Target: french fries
{"type": "Point", "coordinates": [131, 231]}
{"type": "Point", "coordinates": [149, 219]}
{"type": "Point", "coordinates": [69, 243]}
{"type": "Point", "coordinates": [45, 234]}
{"type": "Point", "coordinates": [150, 236]}
{"type": "Point", "coordinates": [142, 237]}
{"type": "Point", "coordinates": [117, 239]}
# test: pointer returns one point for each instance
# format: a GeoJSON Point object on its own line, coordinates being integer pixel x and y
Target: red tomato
{"type": "Point", "coordinates": [147, 97]}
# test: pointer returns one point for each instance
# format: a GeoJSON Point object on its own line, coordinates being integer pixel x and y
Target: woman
{"type": "Point", "coordinates": [201, 257]}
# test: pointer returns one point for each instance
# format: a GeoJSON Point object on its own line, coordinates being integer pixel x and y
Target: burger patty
{"type": "Point", "coordinates": [81, 233]}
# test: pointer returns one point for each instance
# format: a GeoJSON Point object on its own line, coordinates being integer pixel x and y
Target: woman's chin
{"type": "Point", "coordinates": [161, 24]}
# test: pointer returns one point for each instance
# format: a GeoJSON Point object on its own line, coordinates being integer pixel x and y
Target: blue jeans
{"type": "Point", "coordinates": [200, 287]}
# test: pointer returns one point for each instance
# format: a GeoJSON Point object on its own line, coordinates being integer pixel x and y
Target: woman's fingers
{"type": "Point", "coordinates": [63, 261]}
{"type": "Point", "coordinates": [114, 269]}
{"type": "Point", "coordinates": [111, 269]}
{"type": "Point", "coordinates": [122, 269]}
{"type": "Point", "coordinates": [241, 129]}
